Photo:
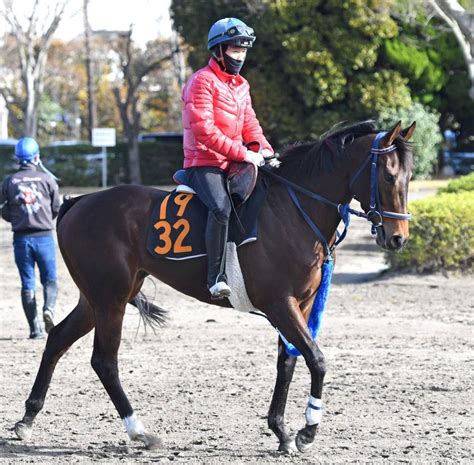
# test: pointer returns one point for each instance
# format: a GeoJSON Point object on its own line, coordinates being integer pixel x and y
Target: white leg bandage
{"type": "Point", "coordinates": [314, 411]}
{"type": "Point", "coordinates": [133, 426]}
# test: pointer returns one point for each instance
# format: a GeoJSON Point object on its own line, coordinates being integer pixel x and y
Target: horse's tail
{"type": "Point", "coordinates": [68, 202]}
{"type": "Point", "coordinates": [151, 314]}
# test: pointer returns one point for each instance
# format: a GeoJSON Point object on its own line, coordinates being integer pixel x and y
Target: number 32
{"type": "Point", "coordinates": [181, 225]}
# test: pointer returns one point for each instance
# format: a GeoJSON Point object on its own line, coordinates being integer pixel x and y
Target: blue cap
{"type": "Point", "coordinates": [230, 31]}
{"type": "Point", "coordinates": [26, 149]}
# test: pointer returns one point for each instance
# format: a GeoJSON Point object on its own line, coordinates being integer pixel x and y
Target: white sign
{"type": "Point", "coordinates": [103, 137]}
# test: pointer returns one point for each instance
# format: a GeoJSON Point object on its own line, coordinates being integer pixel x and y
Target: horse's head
{"type": "Point", "coordinates": [380, 184]}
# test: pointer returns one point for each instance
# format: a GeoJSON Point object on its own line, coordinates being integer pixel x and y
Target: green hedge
{"type": "Point", "coordinates": [158, 161]}
{"type": "Point", "coordinates": [464, 183]}
{"type": "Point", "coordinates": [441, 235]}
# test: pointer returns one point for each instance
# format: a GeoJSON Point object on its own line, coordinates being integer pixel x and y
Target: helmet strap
{"type": "Point", "coordinates": [219, 56]}
{"type": "Point", "coordinates": [32, 161]}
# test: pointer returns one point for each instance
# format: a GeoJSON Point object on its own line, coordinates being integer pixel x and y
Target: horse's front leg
{"type": "Point", "coordinates": [317, 367]}
{"type": "Point", "coordinates": [276, 415]}
{"type": "Point", "coordinates": [289, 320]}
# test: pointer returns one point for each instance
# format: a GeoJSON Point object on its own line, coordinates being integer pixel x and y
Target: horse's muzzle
{"type": "Point", "coordinates": [397, 242]}
{"type": "Point", "coordinates": [394, 243]}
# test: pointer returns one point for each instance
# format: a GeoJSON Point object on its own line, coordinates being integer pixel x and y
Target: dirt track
{"type": "Point", "coordinates": [398, 388]}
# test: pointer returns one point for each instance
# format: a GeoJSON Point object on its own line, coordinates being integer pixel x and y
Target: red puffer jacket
{"type": "Point", "coordinates": [217, 117]}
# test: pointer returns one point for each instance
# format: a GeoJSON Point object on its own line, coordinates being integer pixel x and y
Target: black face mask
{"type": "Point", "coordinates": [232, 66]}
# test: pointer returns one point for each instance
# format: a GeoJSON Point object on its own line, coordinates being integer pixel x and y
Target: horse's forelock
{"type": "Point", "coordinates": [405, 152]}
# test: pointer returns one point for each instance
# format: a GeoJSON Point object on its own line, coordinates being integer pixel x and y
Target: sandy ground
{"type": "Point", "coordinates": [398, 388]}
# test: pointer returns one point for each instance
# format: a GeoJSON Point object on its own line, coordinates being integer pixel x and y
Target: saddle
{"type": "Point", "coordinates": [241, 180]}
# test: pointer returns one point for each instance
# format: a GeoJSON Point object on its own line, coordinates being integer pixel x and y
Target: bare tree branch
{"type": "Point", "coordinates": [135, 65]}
{"type": "Point", "coordinates": [32, 21]}
{"type": "Point", "coordinates": [157, 64]}
{"type": "Point", "coordinates": [32, 47]}
{"type": "Point", "coordinates": [462, 26]}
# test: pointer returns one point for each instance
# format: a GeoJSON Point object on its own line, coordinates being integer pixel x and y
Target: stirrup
{"type": "Point", "coordinates": [220, 290]}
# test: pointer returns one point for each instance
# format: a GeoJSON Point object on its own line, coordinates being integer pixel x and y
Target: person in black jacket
{"type": "Point", "coordinates": [30, 202]}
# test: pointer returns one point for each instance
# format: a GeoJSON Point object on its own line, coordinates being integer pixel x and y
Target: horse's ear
{"type": "Point", "coordinates": [408, 132]}
{"type": "Point", "coordinates": [391, 135]}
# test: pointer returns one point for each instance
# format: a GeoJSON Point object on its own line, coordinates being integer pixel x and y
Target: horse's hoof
{"type": "Point", "coordinates": [288, 447]}
{"type": "Point", "coordinates": [303, 443]}
{"type": "Point", "coordinates": [153, 442]}
{"type": "Point", "coordinates": [23, 431]}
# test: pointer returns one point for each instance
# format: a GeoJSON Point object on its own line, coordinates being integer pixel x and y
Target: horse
{"type": "Point", "coordinates": [102, 240]}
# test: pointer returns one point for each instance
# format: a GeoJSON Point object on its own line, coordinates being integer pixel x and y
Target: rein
{"type": "Point", "coordinates": [375, 213]}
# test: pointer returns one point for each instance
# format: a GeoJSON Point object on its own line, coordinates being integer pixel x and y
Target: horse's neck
{"type": "Point", "coordinates": [332, 186]}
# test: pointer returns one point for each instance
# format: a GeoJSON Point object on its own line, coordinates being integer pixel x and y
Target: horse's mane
{"type": "Point", "coordinates": [322, 155]}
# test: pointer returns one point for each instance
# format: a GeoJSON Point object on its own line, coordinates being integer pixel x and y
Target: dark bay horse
{"type": "Point", "coordinates": [102, 238]}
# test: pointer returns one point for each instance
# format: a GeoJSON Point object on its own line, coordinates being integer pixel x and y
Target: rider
{"type": "Point", "coordinates": [30, 202]}
{"type": "Point", "coordinates": [218, 119]}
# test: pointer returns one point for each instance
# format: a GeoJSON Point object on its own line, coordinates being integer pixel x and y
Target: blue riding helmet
{"type": "Point", "coordinates": [26, 149]}
{"type": "Point", "coordinates": [230, 31]}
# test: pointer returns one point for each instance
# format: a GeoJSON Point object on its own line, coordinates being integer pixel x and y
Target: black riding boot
{"type": "Point", "coordinates": [28, 301]}
{"type": "Point", "coordinates": [216, 238]}
{"type": "Point", "coordinates": [50, 291]}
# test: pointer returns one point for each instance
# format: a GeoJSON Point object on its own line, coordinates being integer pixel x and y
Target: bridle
{"type": "Point", "coordinates": [375, 214]}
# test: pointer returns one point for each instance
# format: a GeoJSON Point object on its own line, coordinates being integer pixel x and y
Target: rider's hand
{"type": "Point", "coordinates": [271, 159]}
{"type": "Point", "coordinates": [254, 158]}
{"type": "Point", "coordinates": [274, 163]}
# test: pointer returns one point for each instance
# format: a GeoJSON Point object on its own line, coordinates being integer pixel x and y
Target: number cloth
{"type": "Point", "coordinates": [178, 222]}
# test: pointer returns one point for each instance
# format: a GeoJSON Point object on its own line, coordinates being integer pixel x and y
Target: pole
{"type": "Point", "coordinates": [104, 167]}
{"type": "Point", "coordinates": [91, 106]}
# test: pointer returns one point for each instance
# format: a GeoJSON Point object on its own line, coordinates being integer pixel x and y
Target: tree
{"type": "Point", "coordinates": [61, 105]}
{"type": "Point", "coordinates": [426, 138]}
{"type": "Point", "coordinates": [63, 109]}
{"type": "Point", "coordinates": [135, 66]}
{"type": "Point", "coordinates": [31, 42]}
{"type": "Point", "coordinates": [462, 25]}
{"type": "Point", "coordinates": [314, 63]}
{"type": "Point", "coordinates": [318, 62]}
{"type": "Point", "coordinates": [427, 53]}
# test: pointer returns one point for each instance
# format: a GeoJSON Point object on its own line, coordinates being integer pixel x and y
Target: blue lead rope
{"type": "Point", "coordinates": [317, 310]}
{"type": "Point", "coordinates": [319, 304]}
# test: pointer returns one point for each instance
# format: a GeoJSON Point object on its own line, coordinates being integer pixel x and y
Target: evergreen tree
{"type": "Point", "coordinates": [314, 62]}
{"type": "Point", "coordinates": [317, 62]}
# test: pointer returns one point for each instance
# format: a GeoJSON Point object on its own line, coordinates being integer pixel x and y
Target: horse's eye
{"type": "Point", "coordinates": [390, 178]}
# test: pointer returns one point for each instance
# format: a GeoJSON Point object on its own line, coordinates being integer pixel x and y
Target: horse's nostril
{"type": "Point", "coordinates": [397, 242]}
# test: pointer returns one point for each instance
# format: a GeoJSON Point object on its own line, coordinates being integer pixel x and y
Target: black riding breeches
{"type": "Point", "coordinates": [210, 184]}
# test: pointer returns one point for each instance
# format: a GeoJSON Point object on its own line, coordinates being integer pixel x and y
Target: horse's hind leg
{"type": "Point", "coordinates": [276, 415]}
{"type": "Point", "coordinates": [78, 323]}
{"type": "Point", "coordinates": [109, 318]}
